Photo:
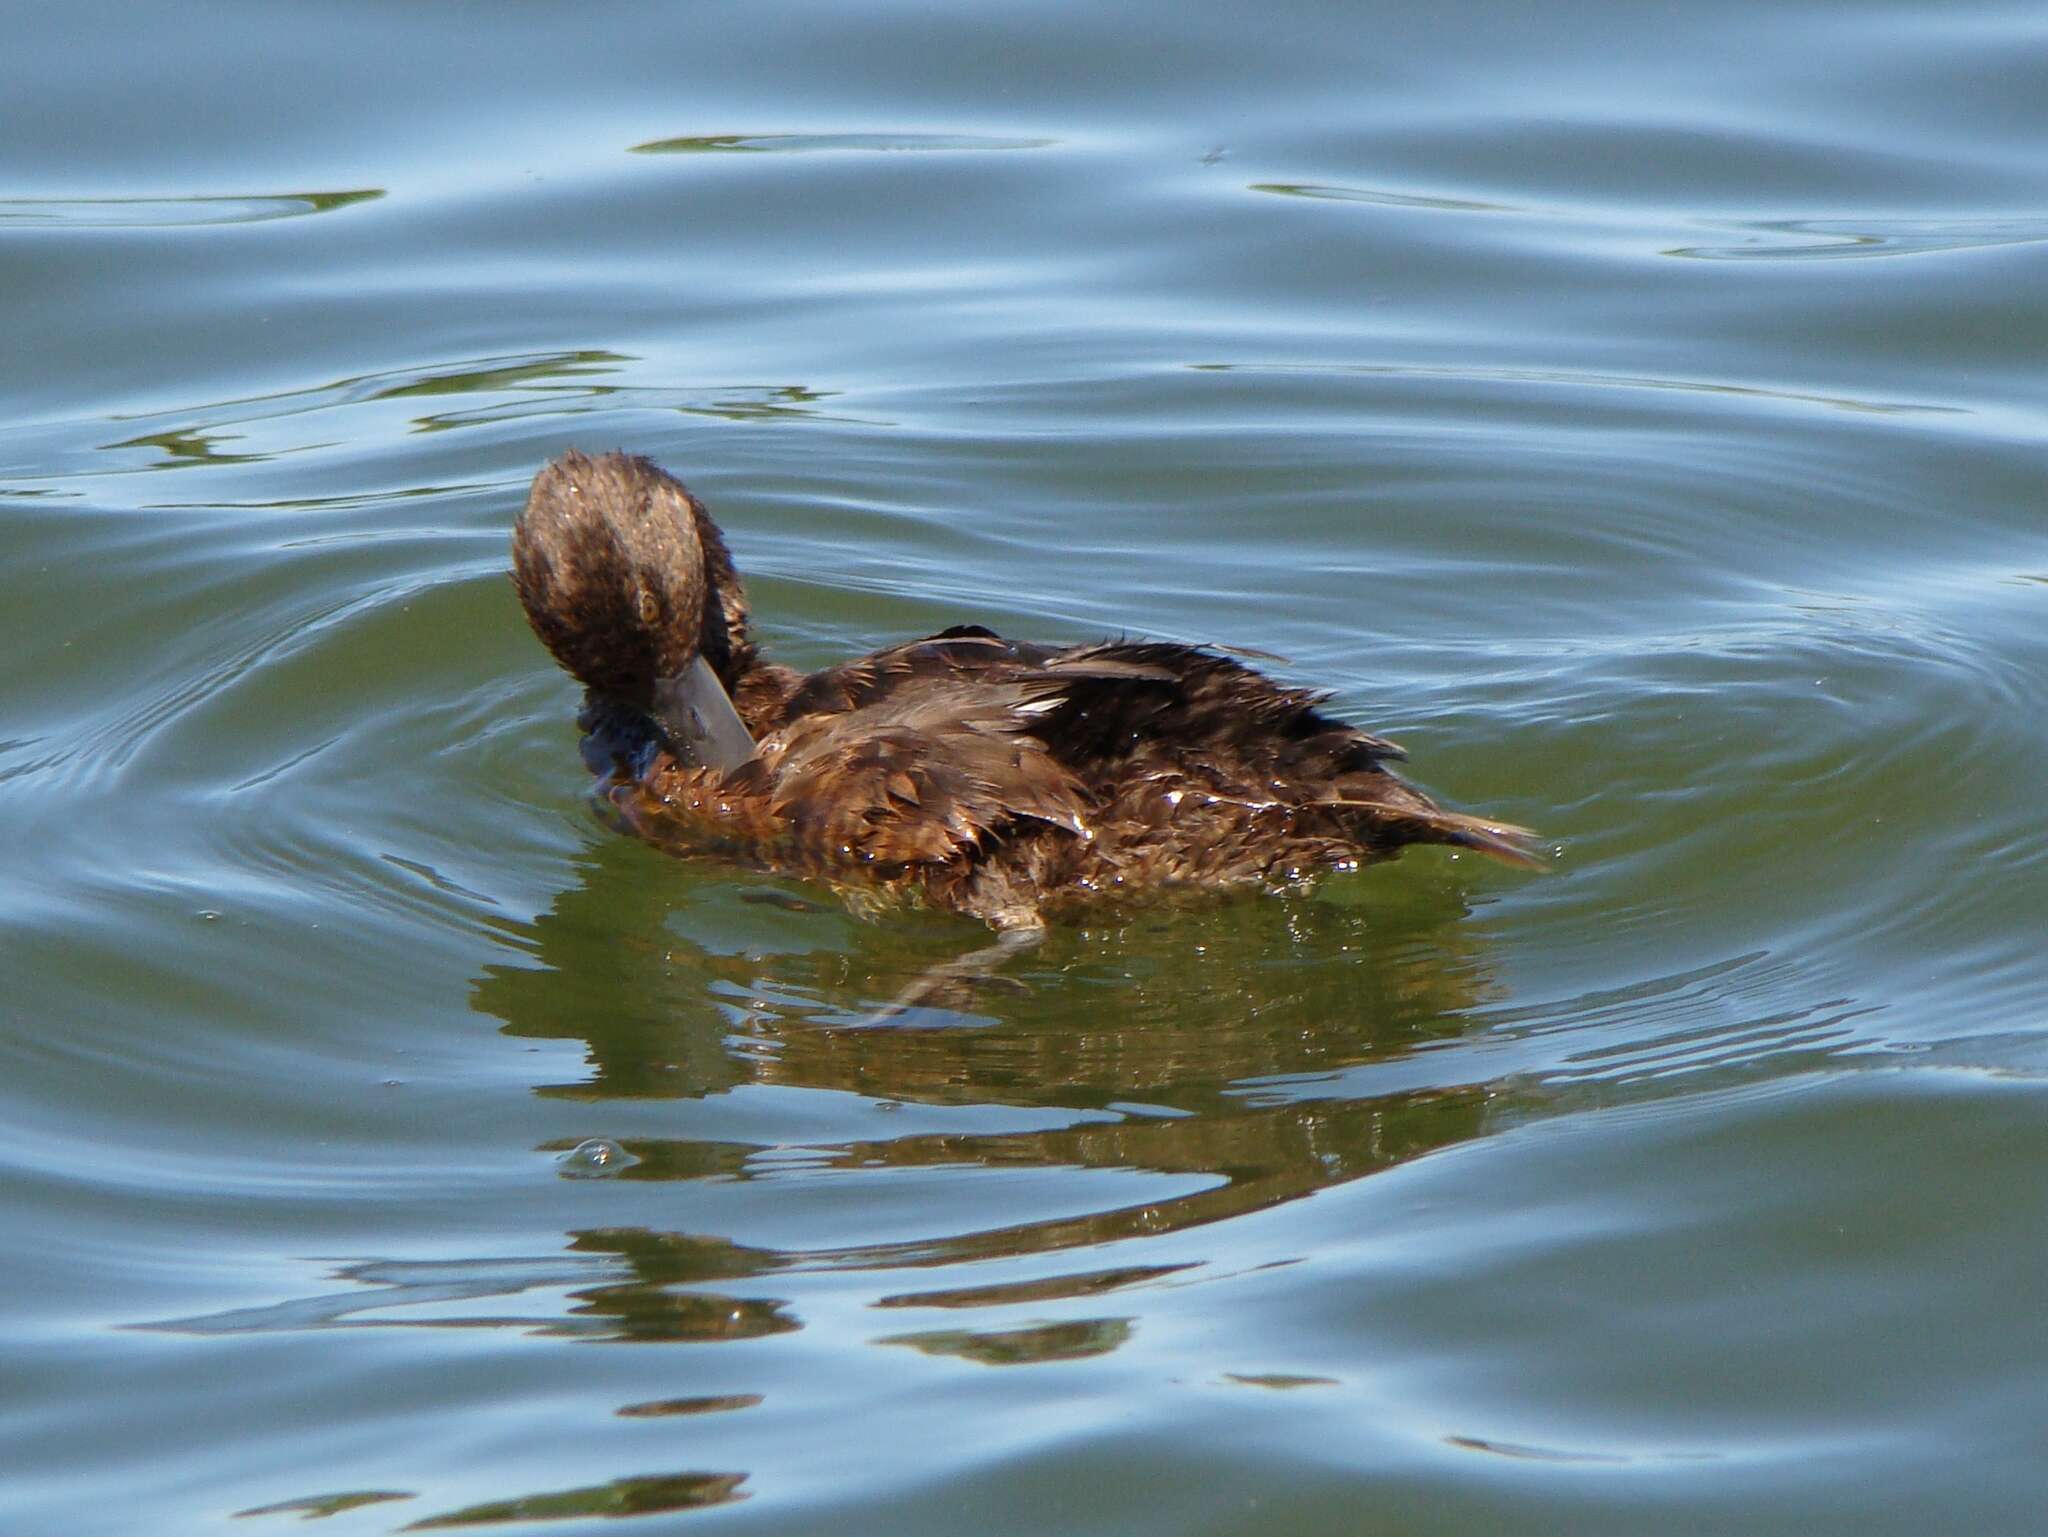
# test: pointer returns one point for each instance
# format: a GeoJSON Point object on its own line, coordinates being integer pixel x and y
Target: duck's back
{"type": "Point", "coordinates": [1003, 778]}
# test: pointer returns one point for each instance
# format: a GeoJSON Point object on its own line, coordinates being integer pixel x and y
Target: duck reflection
{"type": "Point", "coordinates": [1194, 1052]}
{"type": "Point", "coordinates": [1175, 1069]}
{"type": "Point", "coordinates": [1164, 1044]}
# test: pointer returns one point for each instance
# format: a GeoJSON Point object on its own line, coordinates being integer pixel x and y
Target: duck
{"type": "Point", "coordinates": [1010, 781]}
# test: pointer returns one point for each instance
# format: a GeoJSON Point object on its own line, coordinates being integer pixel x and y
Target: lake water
{"type": "Point", "coordinates": [1638, 411]}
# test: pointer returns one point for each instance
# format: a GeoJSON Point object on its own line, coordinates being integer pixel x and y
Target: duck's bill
{"type": "Point", "coordinates": [701, 723]}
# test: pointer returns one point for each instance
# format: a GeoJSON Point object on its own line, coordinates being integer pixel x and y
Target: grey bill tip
{"type": "Point", "coordinates": [697, 713]}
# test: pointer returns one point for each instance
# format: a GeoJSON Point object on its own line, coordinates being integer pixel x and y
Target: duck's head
{"type": "Point", "coordinates": [626, 579]}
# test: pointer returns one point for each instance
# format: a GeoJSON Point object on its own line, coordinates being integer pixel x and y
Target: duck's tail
{"type": "Point", "coordinates": [1409, 816]}
{"type": "Point", "coordinates": [1507, 842]}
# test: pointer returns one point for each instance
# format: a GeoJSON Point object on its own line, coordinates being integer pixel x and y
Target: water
{"type": "Point", "coordinates": [1639, 413]}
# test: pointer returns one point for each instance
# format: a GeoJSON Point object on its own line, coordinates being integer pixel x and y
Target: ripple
{"type": "Point", "coordinates": [187, 436]}
{"type": "Point", "coordinates": [1836, 239]}
{"type": "Point", "coordinates": [731, 402]}
{"type": "Point", "coordinates": [172, 212]}
{"type": "Point", "coordinates": [344, 413]}
{"type": "Point", "coordinates": [826, 143]}
{"type": "Point", "coordinates": [313, 1507]}
{"type": "Point", "coordinates": [1527, 1453]}
{"type": "Point", "coordinates": [404, 1285]}
{"type": "Point", "coordinates": [1584, 379]}
{"type": "Point", "coordinates": [629, 1294]}
{"type": "Point", "coordinates": [706, 1403]}
{"type": "Point", "coordinates": [640, 1496]}
{"type": "Point", "coordinates": [1384, 199]}
{"type": "Point", "coordinates": [1724, 1022]}
{"type": "Point", "coordinates": [1075, 1340]}
{"type": "Point", "coordinates": [1041, 1289]}
{"type": "Point", "coordinates": [1584, 225]}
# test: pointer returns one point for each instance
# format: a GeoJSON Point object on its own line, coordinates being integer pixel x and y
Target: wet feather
{"type": "Point", "coordinates": [1002, 778]}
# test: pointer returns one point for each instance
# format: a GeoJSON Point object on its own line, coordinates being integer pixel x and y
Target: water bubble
{"type": "Point", "coordinates": [595, 1158]}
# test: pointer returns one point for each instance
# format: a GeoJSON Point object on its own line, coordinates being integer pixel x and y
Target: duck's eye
{"type": "Point", "coordinates": [650, 607]}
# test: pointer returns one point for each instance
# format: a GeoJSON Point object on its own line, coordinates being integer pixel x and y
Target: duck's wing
{"type": "Point", "coordinates": [1229, 734]}
{"type": "Point", "coordinates": [1127, 697]}
{"type": "Point", "coordinates": [930, 752]}
{"type": "Point", "coordinates": [964, 653]}
{"type": "Point", "coordinates": [929, 773]}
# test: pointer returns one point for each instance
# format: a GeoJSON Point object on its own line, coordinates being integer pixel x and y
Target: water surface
{"type": "Point", "coordinates": [1639, 414]}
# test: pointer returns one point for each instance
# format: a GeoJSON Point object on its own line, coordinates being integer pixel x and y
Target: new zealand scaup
{"type": "Point", "coordinates": [997, 778]}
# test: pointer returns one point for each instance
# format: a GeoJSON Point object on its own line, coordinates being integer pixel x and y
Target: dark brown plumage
{"type": "Point", "coordinates": [993, 777]}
